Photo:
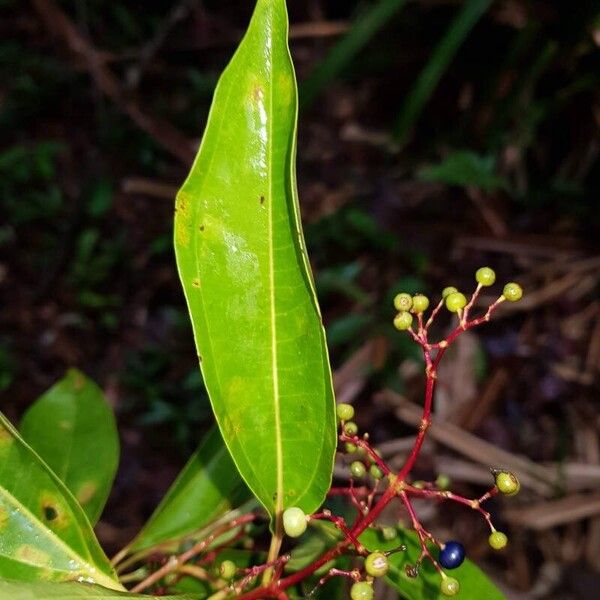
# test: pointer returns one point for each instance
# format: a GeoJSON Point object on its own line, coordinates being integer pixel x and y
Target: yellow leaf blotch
{"type": "Point", "coordinates": [86, 492]}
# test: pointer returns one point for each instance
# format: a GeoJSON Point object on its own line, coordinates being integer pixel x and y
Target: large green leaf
{"type": "Point", "coordinates": [44, 533]}
{"type": "Point", "coordinates": [208, 486]}
{"type": "Point", "coordinates": [245, 273]}
{"type": "Point", "coordinates": [73, 429]}
{"type": "Point", "coordinates": [68, 591]}
{"type": "Point", "coordinates": [474, 585]}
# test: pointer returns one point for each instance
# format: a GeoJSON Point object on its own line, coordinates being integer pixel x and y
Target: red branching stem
{"type": "Point", "coordinates": [340, 523]}
{"type": "Point", "coordinates": [474, 504]}
{"type": "Point", "coordinates": [423, 535]}
{"type": "Point", "coordinates": [363, 443]}
{"type": "Point", "coordinates": [349, 491]}
{"type": "Point", "coordinates": [434, 313]}
{"type": "Point", "coordinates": [176, 561]}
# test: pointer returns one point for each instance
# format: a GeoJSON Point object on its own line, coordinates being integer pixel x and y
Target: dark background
{"type": "Point", "coordinates": [402, 187]}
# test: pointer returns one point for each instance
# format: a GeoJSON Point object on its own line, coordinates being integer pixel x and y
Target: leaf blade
{"type": "Point", "coordinates": [45, 533]}
{"type": "Point", "coordinates": [245, 275]}
{"type": "Point", "coordinates": [73, 429]}
{"type": "Point", "coordinates": [67, 591]}
{"type": "Point", "coordinates": [208, 486]}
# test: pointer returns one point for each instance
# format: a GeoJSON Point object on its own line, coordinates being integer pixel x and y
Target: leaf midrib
{"type": "Point", "coordinates": [273, 315]}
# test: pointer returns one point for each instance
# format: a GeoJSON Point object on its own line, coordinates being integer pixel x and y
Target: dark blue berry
{"type": "Point", "coordinates": [452, 555]}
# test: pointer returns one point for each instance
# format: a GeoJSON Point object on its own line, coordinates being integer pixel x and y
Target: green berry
{"type": "Point", "coordinates": [361, 590]}
{"type": "Point", "coordinates": [227, 569]}
{"type": "Point", "coordinates": [375, 472]}
{"type": "Point", "coordinates": [448, 290]}
{"type": "Point", "coordinates": [420, 303]}
{"type": "Point", "coordinates": [376, 564]}
{"type": "Point", "coordinates": [443, 482]}
{"type": "Point", "coordinates": [403, 302]}
{"type": "Point", "coordinates": [389, 533]}
{"type": "Point", "coordinates": [345, 412]}
{"type": "Point", "coordinates": [294, 521]}
{"type": "Point", "coordinates": [403, 321]}
{"type": "Point", "coordinates": [350, 428]}
{"type": "Point", "coordinates": [485, 276]}
{"type": "Point", "coordinates": [358, 469]}
{"type": "Point", "coordinates": [512, 291]}
{"type": "Point", "coordinates": [455, 301]}
{"type": "Point", "coordinates": [507, 483]}
{"type": "Point", "coordinates": [419, 484]}
{"type": "Point", "coordinates": [497, 540]}
{"type": "Point", "coordinates": [350, 448]}
{"type": "Point", "coordinates": [449, 586]}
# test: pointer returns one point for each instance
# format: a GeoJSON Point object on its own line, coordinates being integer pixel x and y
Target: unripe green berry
{"type": "Point", "coordinates": [485, 276]}
{"type": "Point", "coordinates": [361, 590]}
{"type": "Point", "coordinates": [403, 302]}
{"type": "Point", "coordinates": [345, 412]}
{"type": "Point", "coordinates": [375, 472]}
{"type": "Point", "coordinates": [420, 303]}
{"type": "Point", "coordinates": [403, 321]}
{"type": "Point", "coordinates": [294, 521]}
{"type": "Point", "coordinates": [448, 290]}
{"type": "Point", "coordinates": [350, 448]}
{"type": "Point", "coordinates": [512, 292]}
{"type": "Point", "coordinates": [449, 586]}
{"type": "Point", "coordinates": [389, 533]}
{"type": "Point", "coordinates": [507, 483]}
{"type": "Point", "coordinates": [377, 564]}
{"type": "Point", "coordinates": [455, 301]}
{"type": "Point", "coordinates": [442, 482]}
{"type": "Point", "coordinates": [419, 484]}
{"type": "Point", "coordinates": [227, 569]}
{"type": "Point", "coordinates": [350, 428]}
{"type": "Point", "coordinates": [497, 540]}
{"type": "Point", "coordinates": [358, 470]}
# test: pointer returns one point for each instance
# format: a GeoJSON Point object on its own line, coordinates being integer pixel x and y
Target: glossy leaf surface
{"type": "Point", "coordinates": [245, 273]}
{"type": "Point", "coordinates": [68, 591]}
{"type": "Point", "coordinates": [44, 533]}
{"type": "Point", "coordinates": [73, 429]}
{"type": "Point", "coordinates": [474, 584]}
{"type": "Point", "coordinates": [208, 486]}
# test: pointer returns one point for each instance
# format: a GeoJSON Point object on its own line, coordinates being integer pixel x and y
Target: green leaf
{"type": "Point", "coordinates": [45, 533]}
{"type": "Point", "coordinates": [440, 59]}
{"type": "Point", "coordinates": [365, 26]}
{"type": "Point", "coordinates": [323, 536]}
{"type": "Point", "coordinates": [68, 591]}
{"type": "Point", "coordinates": [465, 169]}
{"type": "Point", "coordinates": [243, 264]}
{"type": "Point", "coordinates": [208, 486]}
{"type": "Point", "coordinates": [474, 584]}
{"type": "Point", "coordinates": [73, 429]}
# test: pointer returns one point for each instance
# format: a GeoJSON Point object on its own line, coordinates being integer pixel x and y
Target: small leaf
{"type": "Point", "coordinates": [243, 265]}
{"type": "Point", "coordinates": [73, 429]}
{"type": "Point", "coordinates": [474, 584]}
{"type": "Point", "coordinates": [68, 591]}
{"type": "Point", "coordinates": [465, 169]}
{"type": "Point", "coordinates": [44, 533]}
{"type": "Point", "coordinates": [439, 60]}
{"type": "Point", "coordinates": [208, 486]}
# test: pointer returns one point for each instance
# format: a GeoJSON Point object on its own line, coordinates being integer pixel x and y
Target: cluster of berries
{"type": "Point", "coordinates": [455, 301]}
{"type": "Point", "coordinates": [368, 461]}
{"type": "Point", "coordinates": [451, 555]}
